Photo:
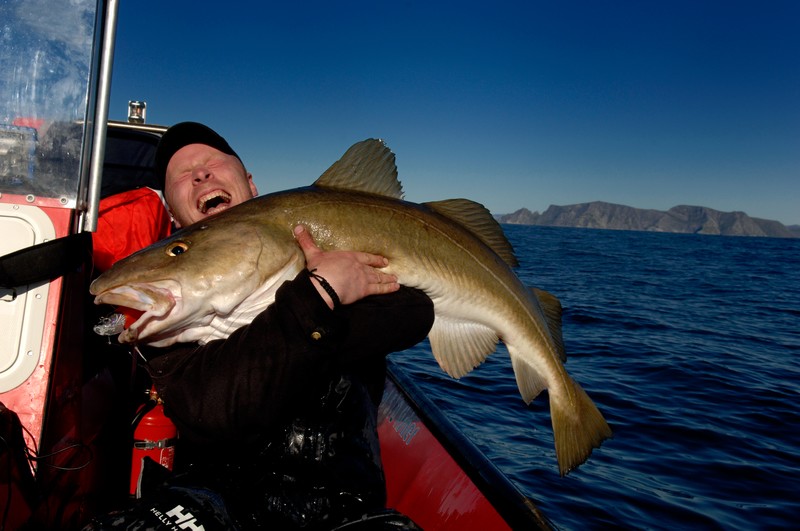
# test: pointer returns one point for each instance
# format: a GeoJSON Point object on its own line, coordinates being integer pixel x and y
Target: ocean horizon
{"type": "Point", "coordinates": [689, 346]}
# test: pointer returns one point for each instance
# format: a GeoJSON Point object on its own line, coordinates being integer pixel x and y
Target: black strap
{"type": "Point", "coordinates": [327, 287]}
{"type": "Point", "coordinates": [44, 261]}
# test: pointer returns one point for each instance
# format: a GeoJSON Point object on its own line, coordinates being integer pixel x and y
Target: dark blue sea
{"type": "Point", "coordinates": [689, 345]}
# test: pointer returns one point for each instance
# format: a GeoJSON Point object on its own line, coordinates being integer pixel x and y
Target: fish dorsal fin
{"type": "Point", "coordinates": [551, 307]}
{"type": "Point", "coordinates": [459, 346]}
{"type": "Point", "coordinates": [368, 166]}
{"type": "Point", "coordinates": [478, 220]}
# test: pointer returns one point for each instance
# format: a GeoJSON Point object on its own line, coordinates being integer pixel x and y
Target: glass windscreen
{"type": "Point", "coordinates": [46, 57]}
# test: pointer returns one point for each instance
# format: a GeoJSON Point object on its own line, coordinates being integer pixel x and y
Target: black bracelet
{"type": "Point", "coordinates": [327, 287]}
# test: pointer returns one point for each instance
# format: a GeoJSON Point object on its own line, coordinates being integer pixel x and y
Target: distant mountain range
{"type": "Point", "coordinates": [685, 219]}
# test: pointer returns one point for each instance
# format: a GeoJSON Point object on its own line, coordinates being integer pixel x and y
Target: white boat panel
{"type": "Point", "coordinates": [22, 308]}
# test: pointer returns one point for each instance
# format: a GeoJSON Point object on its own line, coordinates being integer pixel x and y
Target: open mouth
{"type": "Point", "coordinates": [139, 304]}
{"type": "Point", "coordinates": [213, 200]}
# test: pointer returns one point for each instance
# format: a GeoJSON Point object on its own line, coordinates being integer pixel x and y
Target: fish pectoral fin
{"type": "Point", "coordinates": [459, 346]}
{"type": "Point", "coordinates": [551, 307]}
{"type": "Point", "coordinates": [367, 166]}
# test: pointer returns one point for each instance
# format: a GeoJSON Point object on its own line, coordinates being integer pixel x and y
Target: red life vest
{"type": "Point", "coordinates": [127, 222]}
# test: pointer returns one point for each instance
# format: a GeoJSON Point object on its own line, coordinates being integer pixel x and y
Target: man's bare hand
{"type": "Point", "coordinates": [352, 274]}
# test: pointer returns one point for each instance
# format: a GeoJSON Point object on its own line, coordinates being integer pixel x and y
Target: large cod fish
{"type": "Point", "coordinates": [212, 277]}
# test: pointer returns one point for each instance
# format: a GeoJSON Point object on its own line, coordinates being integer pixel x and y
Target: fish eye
{"type": "Point", "coordinates": [178, 247]}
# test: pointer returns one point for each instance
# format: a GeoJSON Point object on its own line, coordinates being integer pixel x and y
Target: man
{"type": "Point", "coordinates": [277, 423]}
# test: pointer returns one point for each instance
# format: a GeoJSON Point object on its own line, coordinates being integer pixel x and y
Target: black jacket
{"type": "Point", "coordinates": [281, 416]}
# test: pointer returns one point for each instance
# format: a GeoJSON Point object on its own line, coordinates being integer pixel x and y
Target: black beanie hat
{"type": "Point", "coordinates": [183, 134]}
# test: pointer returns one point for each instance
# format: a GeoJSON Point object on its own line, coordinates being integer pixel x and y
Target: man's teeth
{"type": "Point", "coordinates": [212, 200]}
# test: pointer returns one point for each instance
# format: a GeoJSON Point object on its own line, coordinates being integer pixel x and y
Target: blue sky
{"type": "Point", "coordinates": [510, 103]}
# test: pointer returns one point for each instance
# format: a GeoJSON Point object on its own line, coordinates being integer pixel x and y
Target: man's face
{"type": "Point", "coordinates": [202, 181]}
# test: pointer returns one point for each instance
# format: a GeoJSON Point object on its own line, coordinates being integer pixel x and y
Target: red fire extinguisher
{"type": "Point", "coordinates": [154, 436]}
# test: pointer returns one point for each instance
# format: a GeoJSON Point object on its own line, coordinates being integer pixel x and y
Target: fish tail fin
{"type": "Point", "coordinates": [576, 430]}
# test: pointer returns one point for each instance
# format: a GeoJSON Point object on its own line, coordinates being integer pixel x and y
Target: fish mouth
{"type": "Point", "coordinates": [214, 202]}
{"type": "Point", "coordinates": [152, 304]}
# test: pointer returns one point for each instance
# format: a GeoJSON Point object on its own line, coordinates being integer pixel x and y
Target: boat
{"type": "Point", "coordinates": [436, 475]}
{"type": "Point", "coordinates": [67, 395]}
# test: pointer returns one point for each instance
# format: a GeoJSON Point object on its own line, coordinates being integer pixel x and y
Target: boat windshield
{"type": "Point", "coordinates": [47, 50]}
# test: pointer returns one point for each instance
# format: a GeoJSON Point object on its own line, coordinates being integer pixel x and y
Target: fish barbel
{"type": "Point", "coordinates": [212, 277]}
